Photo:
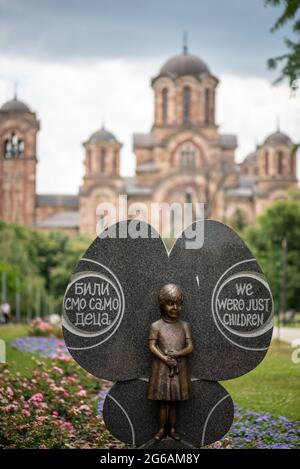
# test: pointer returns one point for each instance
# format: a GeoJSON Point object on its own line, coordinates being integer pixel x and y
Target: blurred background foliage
{"type": "Point", "coordinates": [36, 261]}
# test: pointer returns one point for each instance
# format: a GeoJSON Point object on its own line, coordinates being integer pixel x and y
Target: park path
{"type": "Point", "coordinates": [286, 334]}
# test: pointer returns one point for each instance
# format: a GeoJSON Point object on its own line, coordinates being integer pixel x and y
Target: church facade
{"type": "Point", "coordinates": [184, 158]}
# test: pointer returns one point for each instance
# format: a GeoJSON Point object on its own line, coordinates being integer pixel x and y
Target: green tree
{"type": "Point", "coordinates": [34, 261]}
{"type": "Point", "coordinates": [65, 261]}
{"type": "Point", "coordinates": [18, 264]}
{"type": "Point", "coordinates": [291, 59]}
{"type": "Point", "coordinates": [280, 221]}
{"type": "Point", "coordinates": [14, 249]}
{"type": "Point", "coordinates": [294, 194]}
{"type": "Point", "coordinates": [238, 221]}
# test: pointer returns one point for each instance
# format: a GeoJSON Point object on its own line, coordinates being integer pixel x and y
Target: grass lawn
{"type": "Point", "coordinates": [19, 361]}
{"type": "Point", "coordinates": [294, 323]}
{"type": "Point", "coordinates": [272, 387]}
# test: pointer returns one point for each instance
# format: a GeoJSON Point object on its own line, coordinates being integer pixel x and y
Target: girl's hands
{"type": "Point", "coordinates": [170, 361]}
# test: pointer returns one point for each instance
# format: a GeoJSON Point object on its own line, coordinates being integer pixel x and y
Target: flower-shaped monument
{"type": "Point", "coordinates": [112, 301]}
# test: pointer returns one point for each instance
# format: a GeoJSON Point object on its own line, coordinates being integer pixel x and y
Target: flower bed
{"type": "Point", "coordinates": [46, 346]}
{"type": "Point", "coordinates": [62, 400]}
{"type": "Point", "coordinates": [53, 408]}
{"type": "Point", "coordinates": [261, 431]}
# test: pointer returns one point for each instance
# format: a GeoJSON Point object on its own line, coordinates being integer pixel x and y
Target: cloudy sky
{"type": "Point", "coordinates": [81, 62]}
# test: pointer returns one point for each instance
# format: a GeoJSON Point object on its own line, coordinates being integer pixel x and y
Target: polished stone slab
{"type": "Point", "coordinates": [112, 300]}
{"type": "Point", "coordinates": [201, 420]}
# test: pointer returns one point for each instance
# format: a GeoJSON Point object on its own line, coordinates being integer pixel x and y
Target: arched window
{"type": "Point", "coordinates": [13, 147]}
{"type": "Point", "coordinates": [280, 162]}
{"type": "Point", "coordinates": [188, 158]}
{"type": "Point", "coordinates": [186, 104]}
{"type": "Point", "coordinates": [267, 162]}
{"type": "Point", "coordinates": [206, 106]}
{"type": "Point", "coordinates": [102, 160]}
{"type": "Point", "coordinates": [165, 105]}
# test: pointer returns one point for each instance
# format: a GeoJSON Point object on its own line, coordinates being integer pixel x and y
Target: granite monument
{"type": "Point", "coordinates": [112, 327]}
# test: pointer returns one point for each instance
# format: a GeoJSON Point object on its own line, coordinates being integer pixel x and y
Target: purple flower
{"type": "Point", "coordinates": [102, 395]}
{"type": "Point", "coordinates": [46, 346]}
{"type": "Point", "coordinates": [256, 430]}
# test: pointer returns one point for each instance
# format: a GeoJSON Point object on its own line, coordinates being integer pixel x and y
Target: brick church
{"type": "Point", "coordinates": [183, 158]}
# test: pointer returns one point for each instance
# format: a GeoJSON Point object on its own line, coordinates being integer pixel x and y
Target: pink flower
{"type": "Point", "coordinates": [26, 413]}
{"type": "Point", "coordinates": [71, 378]}
{"type": "Point", "coordinates": [9, 391]}
{"type": "Point", "coordinates": [37, 397]}
{"type": "Point", "coordinates": [81, 393]}
{"type": "Point", "coordinates": [68, 426]}
{"type": "Point", "coordinates": [10, 408]}
{"type": "Point", "coordinates": [41, 420]}
{"type": "Point", "coordinates": [23, 427]}
{"type": "Point", "coordinates": [40, 410]}
{"type": "Point", "coordinates": [57, 388]}
{"type": "Point", "coordinates": [58, 370]}
{"type": "Point", "coordinates": [85, 407]}
{"type": "Point", "coordinates": [74, 411]}
{"type": "Point", "coordinates": [64, 357]}
{"type": "Point", "coordinates": [44, 326]}
{"type": "Point", "coordinates": [55, 413]}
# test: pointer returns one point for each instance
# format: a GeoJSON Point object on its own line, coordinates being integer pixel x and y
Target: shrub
{"type": "Point", "coordinates": [42, 327]}
{"type": "Point", "coordinates": [54, 407]}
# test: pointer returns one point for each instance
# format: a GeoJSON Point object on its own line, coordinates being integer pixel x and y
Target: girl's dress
{"type": "Point", "coordinates": [166, 384]}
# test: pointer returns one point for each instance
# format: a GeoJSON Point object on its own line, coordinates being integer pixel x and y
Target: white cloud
{"type": "Point", "coordinates": [73, 99]}
{"type": "Point", "coordinates": [249, 107]}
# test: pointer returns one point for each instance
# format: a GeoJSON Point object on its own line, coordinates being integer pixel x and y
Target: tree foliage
{"type": "Point", "coordinates": [36, 261]}
{"type": "Point", "coordinates": [280, 221]}
{"type": "Point", "coordinates": [238, 221]}
{"type": "Point", "coordinates": [290, 61]}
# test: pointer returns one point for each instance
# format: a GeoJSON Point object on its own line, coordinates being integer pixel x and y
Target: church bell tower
{"type": "Point", "coordinates": [18, 131]}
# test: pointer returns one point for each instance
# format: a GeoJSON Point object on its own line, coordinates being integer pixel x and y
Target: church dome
{"type": "Point", "coordinates": [102, 135]}
{"type": "Point", "coordinates": [14, 105]}
{"type": "Point", "coordinates": [251, 158]}
{"type": "Point", "coordinates": [278, 138]}
{"type": "Point", "coordinates": [184, 64]}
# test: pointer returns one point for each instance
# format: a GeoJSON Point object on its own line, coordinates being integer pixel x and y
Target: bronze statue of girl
{"type": "Point", "coordinates": [170, 341]}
